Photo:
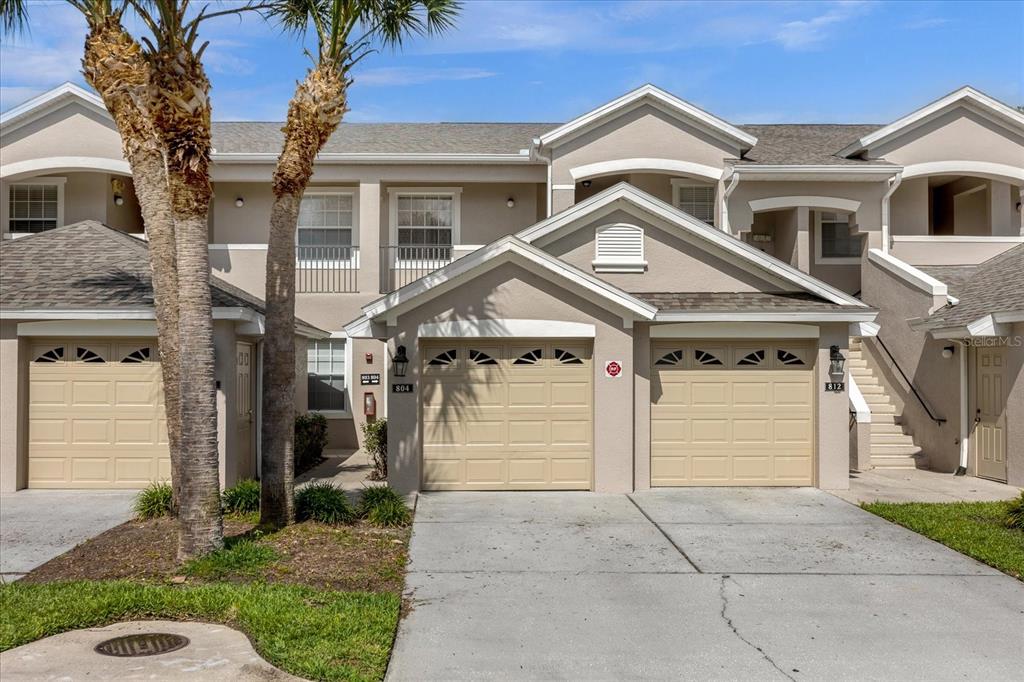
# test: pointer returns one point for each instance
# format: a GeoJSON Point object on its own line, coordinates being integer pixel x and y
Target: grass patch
{"type": "Point", "coordinates": [314, 634]}
{"type": "Point", "coordinates": [242, 557]}
{"type": "Point", "coordinates": [977, 529]}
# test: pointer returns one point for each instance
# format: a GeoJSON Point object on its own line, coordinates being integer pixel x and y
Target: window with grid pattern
{"type": "Point", "coordinates": [33, 207]}
{"type": "Point", "coordinates": [325, 226]}
{"type": "Point", "coordinates": [836, 239]}
{"type": "Point", "coordinates": [698, 201]}
{"type": "Point", "coordinates": [325, 366]}
{"type": "Point", "coordinates": [425, 219]}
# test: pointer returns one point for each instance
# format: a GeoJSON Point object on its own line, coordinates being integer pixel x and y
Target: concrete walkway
{"type": "Point", "coordinates": [920, 485]}
{"type": "Point", "coordinates": [214, 652]}
{"type": "Point", "coordinates": [38, 525]}
{"type": "Point", "coordinates": [694, 584]}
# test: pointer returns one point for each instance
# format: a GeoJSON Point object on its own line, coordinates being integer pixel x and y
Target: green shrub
{"type": "Point", "coordinates": [310, 440]}
{"type": "Point", "coordinates": [390, 513]}
{"type": "Point", "coordinates": [156, 499]}
{"type": "Point", "coordinates": [323, 502]}
{"type": "Point", "coordinates": [372, 495]}
{"type": "Point", "coordinates": [1015, 514]}
{"type": "Point", "coordinates": [375, 442]}
{"type": "Point", "coordinates": [242, 498]}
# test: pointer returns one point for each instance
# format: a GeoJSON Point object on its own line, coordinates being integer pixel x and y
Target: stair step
{"type": "Point", "coordinates": [853, 362]}
{"type": "Point", "coordinates": [877, 399]}
{"type": "Point", "coordinates": [884, 428]}
{"type": "Point", "coordinates": [882, 409]}
{"type": "Point", "coordinates": [886, 462]}
{"type": "Point", "coordinates": [871, 389]}
{"type": "Point", "coordinates": [891, 449]}
{"type": "Point", "coordinates": [884, 418]}
{"type": "Point", "coordinates": [879, 438]}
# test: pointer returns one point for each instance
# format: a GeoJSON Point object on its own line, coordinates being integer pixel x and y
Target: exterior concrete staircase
{"type": "Point", "coordinates": [892, 446]}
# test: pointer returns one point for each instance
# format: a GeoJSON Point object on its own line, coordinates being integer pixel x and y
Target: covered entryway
{"type": "Point", "coordinates": [96, 414]}
{"type": "Point", "coordinates": [732, 413]}
{"type": "Point", "coordinates": [507, 415]}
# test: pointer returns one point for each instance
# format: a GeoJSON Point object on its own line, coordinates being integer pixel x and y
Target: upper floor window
{"type": "Point", "coordinates": [35, 206]}
{"type": "Point", "coordinates": [836, 241]}
{"type": "Point", "coordinates": [696, 199]}
{"type": "Point", "coordinates": [325, 366]}
{"type": "Point", "coordinates": [326, 227]}
{"type": "Point", "coordinates": [426, 220]}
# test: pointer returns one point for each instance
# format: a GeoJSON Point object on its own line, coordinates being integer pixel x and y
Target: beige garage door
{"type": "Point", "coordinates": [96, 415]}
{"type": "Point", "coordinates": [507, 415]}
{"type": "Point", "coordinates": [725, 413]}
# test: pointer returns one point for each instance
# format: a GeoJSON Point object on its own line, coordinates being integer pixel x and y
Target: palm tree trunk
{"type": "Point", "coordinates": [113, 64]}
{"type": "Point", "coordinates": [314, 113]}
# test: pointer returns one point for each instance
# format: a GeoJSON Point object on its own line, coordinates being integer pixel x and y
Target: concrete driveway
{"type": "Point", "coordinates": [37, 525]}
{"type": "Point", "coordinates": [694, 584]}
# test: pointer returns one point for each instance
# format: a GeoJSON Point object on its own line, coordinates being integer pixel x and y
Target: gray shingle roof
{"type": "Point", "coordinates": [777, 144]}
{"type": "Point", "coordinates": [953, 276]}
{"type": "Point", "coordinates": [997, 285]}
{"type": "Point", "coordinates": [739, 301]}
{"type": "Point", "coordinates": [88, 265]}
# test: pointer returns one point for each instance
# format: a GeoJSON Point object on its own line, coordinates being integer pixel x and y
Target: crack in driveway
{"type": "Point", "coordinates": [735, 630]}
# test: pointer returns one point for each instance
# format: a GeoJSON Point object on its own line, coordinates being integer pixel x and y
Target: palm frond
{"type": "Point", "coordinates": [14, 16]}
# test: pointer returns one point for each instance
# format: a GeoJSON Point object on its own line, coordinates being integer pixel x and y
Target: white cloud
{"type": "Point", "coordinates": [410, 75]}
{"type": "Point", "coordinates": [806, 33]}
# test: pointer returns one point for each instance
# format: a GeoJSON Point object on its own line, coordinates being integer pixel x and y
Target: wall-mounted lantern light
{"type": "Point", "coordinates": [511, 203]}
{"type": "Point", "coordinates": [947, 352]}
{"type": "Point", "coordinates": [836, 361]}
{"type": "Point", "coordinates": [239, 202]}
{"type": "Point", "coordinates": [117, 188]}
{"type": "Point", "coordinates": [400, 362]}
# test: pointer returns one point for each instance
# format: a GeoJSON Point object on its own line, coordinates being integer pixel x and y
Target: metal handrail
{"type": "Point", "coordinates": [920, 398]}
{"type": "Point", "coordinates": [326, 269]}
{"type": "Point", "coordinates": [401, 265]}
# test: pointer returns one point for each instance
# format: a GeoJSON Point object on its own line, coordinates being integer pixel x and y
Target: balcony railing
{"type": "Point", "coordinates": [326, 269]}
{"type": "Point", "coordinates": [401, 265]}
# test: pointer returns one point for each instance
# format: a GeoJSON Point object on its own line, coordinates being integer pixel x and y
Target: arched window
{"type": "Point", "coordinates": [619, 248]}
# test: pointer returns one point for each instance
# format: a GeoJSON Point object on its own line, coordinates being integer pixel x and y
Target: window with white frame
{"type": "Point", "coordinates": [836, 240]}
{"type": "Point", "coordinates": [326, 227]}
{"type": "Point", "coordinates": [425, 223]}
{"type": "Point", "coordinates": [35, 206]}
{"type": "Point", "coordinates": [325, 367]}
{"type": "Point", "coordinates": [696, 199]}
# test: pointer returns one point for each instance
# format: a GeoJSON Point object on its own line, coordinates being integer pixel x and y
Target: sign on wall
{"type": "Point", "coordinates": [369, 379]}
{"type": "Point", "coordinates": [612, 369]}
{"type": "Point", "coordinates": [835, 386]}
{"type": "Point", "coordinates": [401, 388]}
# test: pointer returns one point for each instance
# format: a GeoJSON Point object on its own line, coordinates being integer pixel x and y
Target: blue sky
{"type": "Point", "coordinates": [770, 62]}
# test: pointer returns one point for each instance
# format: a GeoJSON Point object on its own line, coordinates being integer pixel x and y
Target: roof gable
{"type": "Point", "coordinates": [967, 97]}
{"type": "Point", "coordinates": [658, 98]}
{"type": "Point", "coordinates": [627, 197]}
{"type": "Point", "coordinates": [51, 100]}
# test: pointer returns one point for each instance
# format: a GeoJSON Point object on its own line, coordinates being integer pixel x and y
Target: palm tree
{"type": "Point", "coordinates": [345, 31]}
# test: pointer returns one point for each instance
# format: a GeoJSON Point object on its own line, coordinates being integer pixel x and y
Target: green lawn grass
{"type": "Point", "coordinates": [315, 634]}
{"type": "Point", "coordinates": [976, 529]}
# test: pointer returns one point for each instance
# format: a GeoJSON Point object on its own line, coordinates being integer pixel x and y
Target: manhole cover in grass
{"type": "Point", "coordinates": [145, 644]}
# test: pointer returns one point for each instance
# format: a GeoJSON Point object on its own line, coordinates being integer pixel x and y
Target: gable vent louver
{"type": "Point", "coordinates": [619, 248]}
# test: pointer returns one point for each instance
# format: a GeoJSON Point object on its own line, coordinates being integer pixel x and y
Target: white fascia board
{"type": "Point", "coordinates": [761, 316]}
{"type": "Point", "coordinates": [489, 257]}
{"type": "Point", "coordinates": [844, 173]}
{"type": "Point", "coordinates": [77, 314]}
{"type": "Point", "coordinates": [1009, 316]}
{"type": "Point", "coordinates": [966, 94]}
{"type": "Point", "coordinates": [956, 239]}
{"type": "Point", "coordinates": [37, 106]}
{"type": "Point", "coordinates": [507, 328]}
{"type": "Point", "coordinates": [687, 225]}
{"type": "Point", "coordinates": [63, 164]}
{"type": "Point", "coordinates": [862, 330]}
{"type": "Point", "coordinates": [908, 273]}
{"type": "Point", "coordinates": [670, 103]}
{"type": "Point", "coordinates": [364, 328]}
{"type": "Point", "coordinates": [343, 158]}
{"type": "Point", "coordinates": [986, 169]}
{"type": "Point", "coordinates": [987, 326]}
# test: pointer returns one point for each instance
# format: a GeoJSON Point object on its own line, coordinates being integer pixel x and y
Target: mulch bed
{"type": "Point", "coordinates": [349, 558]}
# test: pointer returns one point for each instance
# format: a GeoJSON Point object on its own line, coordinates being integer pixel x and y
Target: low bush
{"type": "Point", "coordinates": [375, 442]}
{"type": "Point", "coordinates": [323, 502]}
{"type": "Point", "coordinates": [155, 500]}
{"type": "Point", "coordinates": [372, 495]}
{"type": "Point", "coordinates": [1015, 514]}
{"type": "Point", "coordinates": [242, 498]}
{"type": "Point", "coordinates": [390, 513]}
{"type": "Point", "coordinates": [310, 440]}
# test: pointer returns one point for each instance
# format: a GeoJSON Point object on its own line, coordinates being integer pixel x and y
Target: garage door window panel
{"type": "Point", "coordinates": [55, 354]}
{"type": "Point", "coordinates": [93, 355]}
{"type": "Point", "coordinates": [136, 355]}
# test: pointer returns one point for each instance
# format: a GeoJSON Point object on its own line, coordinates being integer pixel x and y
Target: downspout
{"type": "Point", "coordinates": [535, 153]}
{"type": "Point", "coordinates": [964, 413]}
{"type": "Point", "coordinates": [893, 186]}
{"type": "Point", "coordinates": [734, 180]}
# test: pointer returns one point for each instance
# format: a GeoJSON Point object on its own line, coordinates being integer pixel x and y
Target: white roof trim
{"type": "Point", "coordinates": [62, 164]}
{"type": "Point", "coordinates": [968, 95]}
{"type": "Point", "coordinates": [835, 172]}
{"type": "Point", "coordinates": [342, 158]}
{"type": "Point", "coordinates": [650, 93]}
{"type": "Point", "coordinates": [496, 328]}
{"type": "Point", "coordinates": [908, 273]}
{"type": "Point", "coordinates": [29, 111]}
{"type": "Point", "coordinates": [992, 171]}
{"type": "Point", "coordinates": [641, 165]}
{"type": "Point", "coordinates": [774, 203]}
{"type": "Point", "coordinates": [491, 256]}
{"type": "Point", "coordinates": [764, 316]}
{"type": "Point", "coordinates": [689, 225]}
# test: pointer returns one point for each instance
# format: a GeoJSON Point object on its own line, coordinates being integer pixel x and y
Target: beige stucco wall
{"type": "Point", "coordinates": [87, 196]}
{"type": "Point", "coordinates": [508, 292]}
{"type": "Point", "coordinates": [71, 130]}
{"type": "Point", "coordinates": [909, 207]}
{"type": "Point", "coordinates": [868, 216]}
{"type": "Point", "coordinates": [960, 135]}
{"type": "Point", "coordinates": [832, 435]}
{"type": "Point", "coordinates": [13, 415]}
{"type": "Point", "coordinates": [1015, 407]}
{"type": "Point", "coordinates": [950, 253]}
{"type": "Point", "coordinates": [673, 264]}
